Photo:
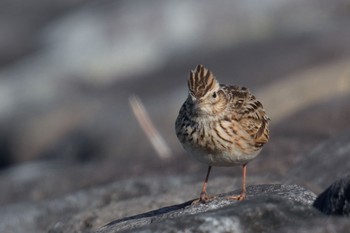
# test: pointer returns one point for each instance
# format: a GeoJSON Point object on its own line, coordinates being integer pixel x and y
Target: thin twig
{"type": "Point", "coordinates": [148, 127]}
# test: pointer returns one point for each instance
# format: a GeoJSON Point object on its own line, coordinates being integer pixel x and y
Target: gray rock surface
{"type": "Point", "coordinates": [320, 225]}
{"type": "Point", "coordinates": [117, 197]}
{"type": "Point", "coordinates": [267, 207]}
{"type": "Point", "coordinates": [335, 200]}
{"type": "Point", "coordinates": [266, 214]}
{"type": "Point", "coordinates": [324, 164]}
{"type": "Point", "coordinates": [132, 197]}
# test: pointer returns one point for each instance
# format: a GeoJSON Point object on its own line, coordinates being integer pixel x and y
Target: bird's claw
{"type": "Point", "coordinates": [239, 197]}
{"type": "Point", "coordinates": [203, 199]}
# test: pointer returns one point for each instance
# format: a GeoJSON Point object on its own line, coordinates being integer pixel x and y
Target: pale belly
{"type": "Point", "coordinates": [224, 158]}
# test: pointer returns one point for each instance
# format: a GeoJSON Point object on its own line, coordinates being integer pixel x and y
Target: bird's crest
{"type": "Point", "coordinates": [201, 81]}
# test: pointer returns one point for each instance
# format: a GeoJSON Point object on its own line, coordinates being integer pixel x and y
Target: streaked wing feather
{"type": "Point", "coordinates": [249, 113]}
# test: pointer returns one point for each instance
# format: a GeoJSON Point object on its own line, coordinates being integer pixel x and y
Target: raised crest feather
{"type": "Point", "coordinates": [201, 81]}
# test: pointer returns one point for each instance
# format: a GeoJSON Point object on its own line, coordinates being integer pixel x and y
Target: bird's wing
{"type": "Point", "coordinates": [249, 112]}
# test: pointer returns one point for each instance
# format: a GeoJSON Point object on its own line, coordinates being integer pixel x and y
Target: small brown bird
{"type": "Point", "coordinates": [221, 125]}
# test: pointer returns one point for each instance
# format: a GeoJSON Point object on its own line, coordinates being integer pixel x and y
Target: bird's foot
{"type": "Point", "coordinates": [203, 199]}
{"type": "Point", "coordinates": [239, 197]}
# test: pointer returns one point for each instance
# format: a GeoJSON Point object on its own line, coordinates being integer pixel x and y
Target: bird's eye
{"type": "Point", "coordinates": [214, 95]}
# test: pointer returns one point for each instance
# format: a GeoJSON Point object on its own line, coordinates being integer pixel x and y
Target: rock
{"type": "Point", "coordinates": [320, 225]}
{"type": "Point", "coordinates": [114, 198]}
{"type": "Point", "coordinates": [335, 200]}
{"type": "Point", "coordinates": [331, 156]}
{"type": "Point", "coordinates": [260, 215]}
{"type": "Point", "coordinates": [266, 208]}
{"type": "Point", "coordinates": [135, 196]}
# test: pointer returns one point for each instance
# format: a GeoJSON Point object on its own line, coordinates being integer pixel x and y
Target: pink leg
{"type": "Point", "coordinates": [204, 197]}
{"type": "Point", "coordinates": [242, 196]}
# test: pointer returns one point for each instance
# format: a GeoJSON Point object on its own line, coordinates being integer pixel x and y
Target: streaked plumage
{"type": "Point", "coordinates": [221, 125]}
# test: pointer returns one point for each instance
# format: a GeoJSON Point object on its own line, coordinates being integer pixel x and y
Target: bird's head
{"type": "Point", "coordinates": [205, 92]}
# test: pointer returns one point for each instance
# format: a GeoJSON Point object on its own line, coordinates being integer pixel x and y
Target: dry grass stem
{"type": "Point", "coordinates": [148, 127]}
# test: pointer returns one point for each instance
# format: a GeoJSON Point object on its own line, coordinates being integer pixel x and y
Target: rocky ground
{"type": "Point", "coordinates": [226, 216]}
{"type": "Point", "coordinates": [163, 204]}
{"type": "Point", "coordinates": [74, 159]}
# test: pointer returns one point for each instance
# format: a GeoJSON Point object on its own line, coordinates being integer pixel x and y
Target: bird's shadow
{"type": "Point", "coordinates": [153, 213]}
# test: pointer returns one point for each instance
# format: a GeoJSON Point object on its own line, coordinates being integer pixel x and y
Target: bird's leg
{"type": "Point", "coordinates": [204, 197]}
{"type": "Point", "coordinates": [241, 196]}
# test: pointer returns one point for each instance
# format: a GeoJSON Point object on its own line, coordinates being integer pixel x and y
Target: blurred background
{"type": "Point", "coordinates": [68, 70]}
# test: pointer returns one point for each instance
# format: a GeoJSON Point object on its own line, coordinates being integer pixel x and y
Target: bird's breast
{"type": "Point", "coordinates": [216, 143]}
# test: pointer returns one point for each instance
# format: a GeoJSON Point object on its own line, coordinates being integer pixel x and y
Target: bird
{"type": "Point", "coordinates": [221, 125]}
